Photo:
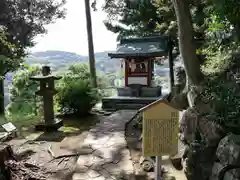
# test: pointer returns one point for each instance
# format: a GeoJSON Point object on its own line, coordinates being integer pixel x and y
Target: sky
{"type": "Point", "coordinates": [70, 34]}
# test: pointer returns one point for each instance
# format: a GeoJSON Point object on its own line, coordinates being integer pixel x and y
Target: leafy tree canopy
{"type": "Point", "coordinates": [216, 22]}
{"type": "Point", "coordinates": [20, 22]}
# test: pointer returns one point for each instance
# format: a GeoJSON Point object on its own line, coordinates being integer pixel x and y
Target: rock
{"type": "Point", "coordinates": [228, 151]}
{"type": "Point", "coordinates": [3, 136]}
{"type": "Point", "coordinates": [230, 175]}
{"type": "Point", "coordinates": [80, 176]}
{"type": "Point", "coordinates": [6, 153]}
{"type": "Point", "coordinates": [198, 161]}
{"type": "Point", "coordinates": [167, 177]}
{"type": "Point", "coordinates": [202, 107]}
{"type": "Point", "coordinates": [192, 121]}
{"type": "Point", "coordinates": [180, 101]}
{"type": "Point", "coordinates": [209, 131]}
{"type": "Point", "coordinates": [177, 163]}
{"type": "Point", "coordinates": [188, 125]}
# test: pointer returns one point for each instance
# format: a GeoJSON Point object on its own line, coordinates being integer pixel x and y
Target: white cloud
{"type": "Point", "coordinates": [70, 34]}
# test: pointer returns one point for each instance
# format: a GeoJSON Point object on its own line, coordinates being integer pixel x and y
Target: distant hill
{"type": "Point", "coordinates": [59, 60]}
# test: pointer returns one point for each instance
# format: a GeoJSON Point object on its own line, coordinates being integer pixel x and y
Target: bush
{"type": "Point", "coordinates": [222, 90]}
{"type": "Point", "coordinates": [22, 94]}
{"type": "Point", "coordinates": [76, 94]}
{"type": "Point", "coordinates": [224, 99]}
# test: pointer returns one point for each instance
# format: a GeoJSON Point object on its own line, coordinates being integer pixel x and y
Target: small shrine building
{"type": "Point", "coordinates": [138, 56]}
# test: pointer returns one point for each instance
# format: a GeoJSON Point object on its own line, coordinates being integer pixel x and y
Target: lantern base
{"type": "Point", "coordinates": [49, 127]}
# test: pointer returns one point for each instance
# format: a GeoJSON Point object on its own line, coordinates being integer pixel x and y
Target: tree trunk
{"type": "Point", "coordinates": [171, 67]}
{"type": "Point", "coordinates": [90, 44]}
{"type": "Point", "coordinates": [1, 96]}
{"type": "Point", "coordinates": [6, 153]}
{"type": "Point", "coordinates": [186, 42]}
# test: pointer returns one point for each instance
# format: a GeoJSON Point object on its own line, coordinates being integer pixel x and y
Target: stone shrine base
{"type": "Point", "coordinates": [49, 127]}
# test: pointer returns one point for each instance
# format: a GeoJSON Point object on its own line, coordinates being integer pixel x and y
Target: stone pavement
{"type": "Point", "coordinates": [107, 155]}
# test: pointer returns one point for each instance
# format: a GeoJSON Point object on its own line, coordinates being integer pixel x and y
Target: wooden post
{"type": "Point", "coordinates": [170, 59]}
{"type": "Point", "coordinates": [90, 44]}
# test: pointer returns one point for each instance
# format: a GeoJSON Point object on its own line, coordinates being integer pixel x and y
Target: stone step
{"type": "Point", "coordinates": [121, 102]}
{"type": "Point", "coordinates": [124, 105]}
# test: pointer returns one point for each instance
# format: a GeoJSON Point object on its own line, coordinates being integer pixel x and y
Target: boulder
{"type": "Point", "coordinates": [228, 151]}
{"type": "Point", "coordinates": [180, 101]}
{"type": "Point", "coordinates": [198, 161]}
{"type": "Point", "coordinates": [210, 131]}
{"type": "Point", "coordinates": [230, 175]}
{"type": "Point", "coordinates": [192, 121]}
{"type": "Point", "coordinates": [188, 125]}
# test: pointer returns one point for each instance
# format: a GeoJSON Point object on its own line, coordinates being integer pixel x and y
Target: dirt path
{"type": "Point", "coordinates": [34, 147]}
{"type": "Point", "coordinates": [109, 157]}
{"type": "Point", "coordinates": [37, 153]}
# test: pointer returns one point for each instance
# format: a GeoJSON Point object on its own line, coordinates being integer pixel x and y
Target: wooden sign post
{"type": "Point", "coordinates": [160, 131]}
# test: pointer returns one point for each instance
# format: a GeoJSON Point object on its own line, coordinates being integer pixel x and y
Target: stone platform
{"type": "Point", "coordinates": [127, 102]}
{"type": "Point", "coordinates": [109, 155]}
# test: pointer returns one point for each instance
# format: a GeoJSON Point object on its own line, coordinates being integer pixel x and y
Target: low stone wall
{"type": "Point", "coordinates": [223, 150]}
{"type": "Point", "coordinates": [143, 91]}
{"type": "Point", "coordinates": [150, 91]}
{"type": "Point", "coordinates": [228, 153]}
{"type": "Point", "coordinates": [124, 91]}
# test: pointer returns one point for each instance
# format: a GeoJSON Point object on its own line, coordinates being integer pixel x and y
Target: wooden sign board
{"type": "Point", "coordinates": [160, 130]}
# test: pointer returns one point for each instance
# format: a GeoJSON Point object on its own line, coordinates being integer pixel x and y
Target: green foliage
{"type": "Point", "coordinates": [22, 99]}
{"type": "Point", "coordinates": [133, 19]}
{"type": "Point", "coordinates": [20, 22]}
{"type": "Point", "coordinates": [220, 63]}
{"type": "Point", "coordinates": [223, 96]}
{"type": "Point", "coordinates": [76, 94]}
{"type": "Point", "coordinates": [216, 63]}
{"type": "Point", "coordinates": [7, 62]}
{"type": "Point", "coordinates": [217, 23]}
{"type": "Point", "coordinates": [81, 70]}
{"type": "Point", "coordinates": [143, 18]}
{"type": "Point", "coordinates": [221, 89]}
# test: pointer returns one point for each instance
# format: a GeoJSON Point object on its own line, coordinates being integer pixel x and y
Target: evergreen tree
{"type": "Point", "coordinates": [20, 22]}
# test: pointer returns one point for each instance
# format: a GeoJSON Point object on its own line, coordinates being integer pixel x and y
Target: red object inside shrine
{"type": "Point", "coordinates": [140, 70]}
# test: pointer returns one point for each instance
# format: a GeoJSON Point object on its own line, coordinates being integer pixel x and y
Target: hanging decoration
{"type": "Point", "coordinates": [160, 60]}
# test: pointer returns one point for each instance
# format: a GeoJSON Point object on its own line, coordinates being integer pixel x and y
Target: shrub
{"type": "Point", "coordinates": [224, 98]}
{"type": "Point", "coordinates": [222, 90]}
{"type": "Point", "coordinates": [76, 94]}
{"type": "Point", "coordinates": [22, 94]}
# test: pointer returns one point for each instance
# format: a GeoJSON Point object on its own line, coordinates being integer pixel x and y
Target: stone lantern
{"type": "Point", "coordinates": [47, 91]}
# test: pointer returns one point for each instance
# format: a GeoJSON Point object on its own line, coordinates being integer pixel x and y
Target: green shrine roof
{"type": "Point", "coordinates": [145, 47]}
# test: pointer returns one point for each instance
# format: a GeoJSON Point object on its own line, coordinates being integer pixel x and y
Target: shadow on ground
{"type": "Point", "coordinates": [67, 140]}
{"type": "Point", "coordinates": [73, 125]}
{"type": "Point", "coordinates": [114, 123]}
